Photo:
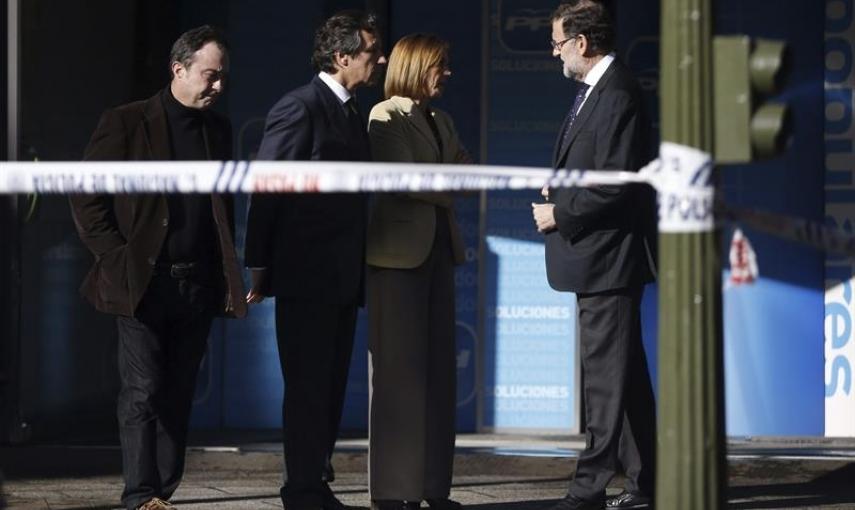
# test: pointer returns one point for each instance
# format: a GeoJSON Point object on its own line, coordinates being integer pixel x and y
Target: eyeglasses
{"type": "Point", "coordinates": [557, 45]}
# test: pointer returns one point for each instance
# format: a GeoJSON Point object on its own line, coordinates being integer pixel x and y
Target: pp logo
{"type": "Point", "coordinates": [525, 26]}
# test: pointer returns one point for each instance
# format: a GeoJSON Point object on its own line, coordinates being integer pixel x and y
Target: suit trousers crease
{"type": "Point", "coordinates": [619, 402]}
{"type": "Point", "coordinates": [315, 341]}
{"type": "Point", "coordinates": [159, 354]}
{"type": "Point", "coordinates": [413, 379]}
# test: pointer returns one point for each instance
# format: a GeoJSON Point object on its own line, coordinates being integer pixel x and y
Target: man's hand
{"type": "Point", "coordinates": [545, 192]}
{"type": "Point", "coordinates": [229, 306]}
{"type": "Point", "coordinates": [258, 279]}
{"type": "Point", "coordinates": [543, 217]}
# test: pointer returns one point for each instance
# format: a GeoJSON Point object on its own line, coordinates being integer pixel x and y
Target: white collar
{"type": "Point", "coordinates": [598, 70]}
{"type": "Point", "coordinates": [338, 89]}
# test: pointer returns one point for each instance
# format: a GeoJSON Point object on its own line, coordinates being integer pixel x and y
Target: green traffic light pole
{"type": "Point", "coordinates": [691, 448]}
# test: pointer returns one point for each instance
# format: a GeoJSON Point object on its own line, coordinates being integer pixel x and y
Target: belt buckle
{"type": "Point", "coordinates": [181, 270]}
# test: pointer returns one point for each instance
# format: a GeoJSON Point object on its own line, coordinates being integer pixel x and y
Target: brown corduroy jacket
{"type": "Point", "coordinates": [125, 233]}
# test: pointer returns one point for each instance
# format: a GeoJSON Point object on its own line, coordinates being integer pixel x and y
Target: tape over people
{"type": "Point", "coordinates": [165, 261]}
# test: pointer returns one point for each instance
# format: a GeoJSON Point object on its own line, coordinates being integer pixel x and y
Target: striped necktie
{"type": "Point", "coordinates": [577, 105]}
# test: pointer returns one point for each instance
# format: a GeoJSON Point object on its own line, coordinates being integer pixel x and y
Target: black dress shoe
{"type": "Point", "coordinates": [394, 504]}
{"type": "Point", "coordinates": [444, 504]}
{"type": "Point", "coordinates": [628, 500]}
{"type": "Point", "coordinates": [333, 503]}
{"type": "Point", "coordinates": [570, 502]}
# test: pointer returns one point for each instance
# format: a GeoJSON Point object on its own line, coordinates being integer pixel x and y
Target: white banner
{"type": "Point", "coordinates": [840, 213]}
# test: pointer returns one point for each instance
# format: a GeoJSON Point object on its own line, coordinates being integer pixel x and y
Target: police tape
{"type": "Point", "coordinates": [285, 177]}
{"type": "Point", "coordinates": [810, 233]}
{"type": "Point", "coordinates": [681, 175]}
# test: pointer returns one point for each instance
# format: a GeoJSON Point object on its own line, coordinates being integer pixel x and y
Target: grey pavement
{"type": "Point", "coordinates": [492, 472]}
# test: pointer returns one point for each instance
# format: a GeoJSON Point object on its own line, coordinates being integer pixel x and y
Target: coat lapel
{"type": "Point", "coordinates": [417, 117]}
{"type": "Point", "coordinates": [559, 142]}
{"type": "Point", "coordinates": [583, 115]}
{"type": "Point", "coordinates": [337, 118]}
{"type": "Point", "coordinates": [156, 129]}
{"type": "Point", "coordinates": [333, 108]}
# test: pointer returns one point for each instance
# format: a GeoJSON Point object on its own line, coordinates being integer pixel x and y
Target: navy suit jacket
{"type": "Point", "coordinates": [599, 244]}
{"type": "Point", "coordinates": [313, 245]}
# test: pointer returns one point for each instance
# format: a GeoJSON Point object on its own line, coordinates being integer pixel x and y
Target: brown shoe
{"type": "Point", "coordinates": [156, 504]}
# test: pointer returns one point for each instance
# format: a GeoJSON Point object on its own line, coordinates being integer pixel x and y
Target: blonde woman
{"type": "Point", "coordinates": [413, 246]}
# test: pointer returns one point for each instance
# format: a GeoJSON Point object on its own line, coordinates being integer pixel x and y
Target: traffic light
{"type": "Point", "coordinates": [745, 73]}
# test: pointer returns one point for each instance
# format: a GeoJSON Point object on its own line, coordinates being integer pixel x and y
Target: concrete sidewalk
{"type": "Point", "coordinates": [491, 473]}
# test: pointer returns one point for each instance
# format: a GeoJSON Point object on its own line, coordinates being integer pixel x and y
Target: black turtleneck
{"type": "Point", "coordinates": [191, 235]}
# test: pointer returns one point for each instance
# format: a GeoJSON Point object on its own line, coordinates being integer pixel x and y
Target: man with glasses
{"type": "Point", "coordinates": [599, 245]}
{"type": "Point", "coordinates": [309, 251]}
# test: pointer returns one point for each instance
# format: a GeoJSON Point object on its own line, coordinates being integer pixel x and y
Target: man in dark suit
{"type": "Point", "coordinates": [599, 244]}
{"type": "Point", "coordinates": [309, 251]}
{"type": "Point", "coordinates": [165, 265]}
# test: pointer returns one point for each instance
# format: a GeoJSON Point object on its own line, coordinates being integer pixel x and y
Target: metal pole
{"type": "Point", "coordinates": [691, 450]}
{"type": "Point", "coordinates": [13, 54]}
{"type": "Point", "coordinates": [10, 427]}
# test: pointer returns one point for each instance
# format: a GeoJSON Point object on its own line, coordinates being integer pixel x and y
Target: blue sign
{"type": "Point", "coordinates": [529, 351]}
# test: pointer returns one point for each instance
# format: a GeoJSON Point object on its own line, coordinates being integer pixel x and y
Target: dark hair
{"type": "Point", "coordinates": [589, 18]}
{"type": "Point", "coordinates": [192, 41]}
{"type": "Point", "coordinates": [341, 34]}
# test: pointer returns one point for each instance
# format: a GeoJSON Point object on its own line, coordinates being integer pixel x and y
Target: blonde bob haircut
{"type": "Point", "coordinates": [411, 58]}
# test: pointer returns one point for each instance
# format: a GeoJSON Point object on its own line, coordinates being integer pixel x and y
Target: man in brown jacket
{"type": "Point", "coordinates": [165, 265]}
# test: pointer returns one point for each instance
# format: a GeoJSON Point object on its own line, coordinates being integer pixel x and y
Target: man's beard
{"type": "Point", "coordinates": [569, 73]}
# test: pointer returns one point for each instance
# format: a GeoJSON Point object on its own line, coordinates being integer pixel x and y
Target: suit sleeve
{"type": "Point", "coordinates": [94, 215]}
{"type": "Point", "coordinates": [388, 142]}
{"type": "Point", "coordinates": [287, 137]}
{"type": "Point", "coordinates": [618, 142]}
{"type": "Point", "coordinates": [461, 155]}
{"type": "Point", "coordinates": [287, 132]}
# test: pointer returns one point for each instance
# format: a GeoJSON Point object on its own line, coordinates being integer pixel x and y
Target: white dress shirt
{"type": "Point", "coordinates": [338, 89]}
{"type": "Point", "coordinates": [595, 74]}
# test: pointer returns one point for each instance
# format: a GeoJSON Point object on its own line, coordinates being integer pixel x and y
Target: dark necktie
{"type": "Point", "coordinates": [356, 126]}
{"type": "Point", "coordinates": [354, 118]}
{"type": "Point", "coordinates": [577, 105]}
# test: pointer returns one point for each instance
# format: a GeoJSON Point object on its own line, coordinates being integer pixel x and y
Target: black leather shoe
{"type": "Point", "coordinates": [394, 504]}
{"type": "Point", "coordinates": [444, 504]}
{"type": "Point", "coordinates": [570, 502]}
{"type": "Point", "coordinates": [333, 503]}
{"type": "Point", "coordinates": [628, 500]}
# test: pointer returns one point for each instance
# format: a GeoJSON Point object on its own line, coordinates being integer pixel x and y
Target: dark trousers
{"type": "Point", "coordinates": [619, 405]}
{"type": "Point", "coordinates": [315, 344]}
{"type": "Point", "coordinates": [413, 379]}
{"type": "Point", "coordinates": [159, 354]}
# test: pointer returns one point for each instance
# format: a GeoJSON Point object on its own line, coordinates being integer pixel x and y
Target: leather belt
{"type": "Point", "coordinates": [178, 270]}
